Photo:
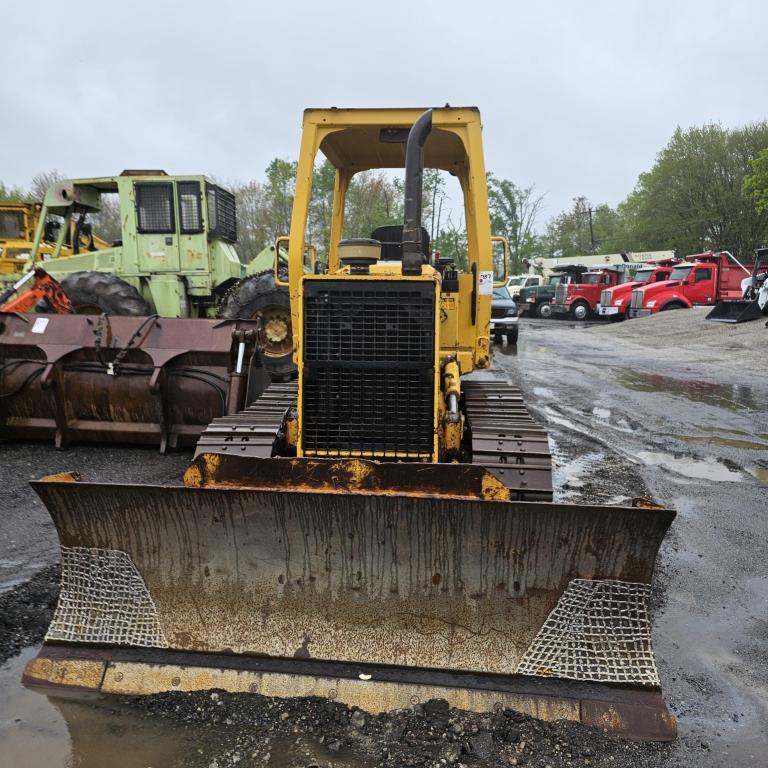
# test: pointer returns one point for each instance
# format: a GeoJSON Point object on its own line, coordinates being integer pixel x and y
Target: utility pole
{"type": "Point", "coordinates": [591, 231]}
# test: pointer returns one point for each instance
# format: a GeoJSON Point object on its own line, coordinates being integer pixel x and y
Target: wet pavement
{"type": "Point", "coordinates": [685, 424]}
{"type": "Point", "coordinates": [695, 433]}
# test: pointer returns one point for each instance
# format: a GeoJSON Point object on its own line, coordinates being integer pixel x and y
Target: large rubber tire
{"type": "Point", "coordinates": [258, 295]}
{"type": "Point", "coordinates": [512, 335]}
{"type": "Point", "coordinates": [544, 310]}
{"type": "Point", "coordinates": [673, 305]}
{"type": "Point", "coordinates": [96, 293]}
{"type": "Point", "coordinates": [580, 311]}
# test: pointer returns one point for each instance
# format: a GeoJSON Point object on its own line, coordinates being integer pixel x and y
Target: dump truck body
{"type": "Point", "coordinates": [754, 296]}
{"type": "Point", "coordinates": [382, 530]}
{"type": "Point", "coordinates": [701, 279]}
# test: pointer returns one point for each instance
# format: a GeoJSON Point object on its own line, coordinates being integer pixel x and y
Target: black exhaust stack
{"type": "Point", "coordinates": [414, 183]}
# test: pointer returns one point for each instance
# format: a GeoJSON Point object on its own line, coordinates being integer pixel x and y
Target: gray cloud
{"type": "Point", "coordinates": [576, 97]}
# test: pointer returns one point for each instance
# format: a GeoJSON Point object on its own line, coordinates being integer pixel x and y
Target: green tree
{"type": "Point", "coordinates": [252, 219]}
{"type": "Point", "coordinates": [321, 207]}
{"type": "Point", "coordinates": [693, 198]}
{"type": "Point", "coordinates": [514, 212]}
{"type": "Point", "coordinates": [278, 197]}
{"type": "Point", "coordinates": [373, 200]}
{"type": "Point", "coordinates": [11, 193]}
{"type": "Point", "coordinates": [755, 186]}
{"type": "Point", "coordinates": [451, 242]}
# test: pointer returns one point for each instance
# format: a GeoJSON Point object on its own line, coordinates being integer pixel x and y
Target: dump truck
{"type": "Point", "coordinates": [175, 257]}
{"type": "Point", "coordinates": [579, 300]}
{"type": "Point", "coordinates": [18, 223]}
{"type": "Point", "coordinates": [537, 300]}
{"type": "Point", "coordinates": [614, 302]}
{"type": "Point", "coordinates": [381, 531]}
{"type": "Point", "coordinates": [700, 279]}
{"type": "Point", "coordinates": [754, 295]}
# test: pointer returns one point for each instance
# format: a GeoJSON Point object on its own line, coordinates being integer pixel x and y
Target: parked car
{"type": "Point", "coordinates": [503, 316]}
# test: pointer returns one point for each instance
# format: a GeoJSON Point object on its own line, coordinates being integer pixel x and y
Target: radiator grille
{"type": "Point", "coordinates": [605, 298]}
{"type": "Point", "coordinates": [498, 312]}
{"type": "Point", "coordinates": [369, 361]}
{"type": "Point", "coordinates": [637, 298]}
{"type": "Point", "coordinates": [560, 292]}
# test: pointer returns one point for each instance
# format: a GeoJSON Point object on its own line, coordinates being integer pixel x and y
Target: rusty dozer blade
{"type": "Point", "coordinates": [144, 380]}
{"type": "Point", "coordinates": [437, 588]}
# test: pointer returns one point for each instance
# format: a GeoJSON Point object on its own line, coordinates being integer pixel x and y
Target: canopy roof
{"type": "Point", "coordinates": [360, 139]}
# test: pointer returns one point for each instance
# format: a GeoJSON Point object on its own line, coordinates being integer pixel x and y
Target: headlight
{"type": "Point", "coordinates": [530, 299]}
{"type": "Point", "coordinates": [618, 302]}
{"type": "Point", "coordinates": [512, 312]}
{"type": "Point", "coordinates": [651, 303]}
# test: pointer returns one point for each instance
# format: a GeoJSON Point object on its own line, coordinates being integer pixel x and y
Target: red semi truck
{"type": "Point", "coordinates": [703, 278]}
{"type": "Point", "coordinates": [580, 300]}
{"type": "Point", "coordinates": [614, 301]}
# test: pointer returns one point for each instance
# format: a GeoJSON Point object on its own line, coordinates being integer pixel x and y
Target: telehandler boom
{"type": "Point", "coordinates": [382, 531]}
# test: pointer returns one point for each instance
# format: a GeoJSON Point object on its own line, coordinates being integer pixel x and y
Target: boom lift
{"type": "Point", "coordinates": [381, 532]}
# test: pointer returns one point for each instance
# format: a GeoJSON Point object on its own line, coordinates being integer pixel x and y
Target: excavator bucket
{"type": "Point", "coordinates": [735, 311]}
{"type": "Point", "coordinates": [379, 585]}
{"type": "Point", "coordinates": [122, 379]}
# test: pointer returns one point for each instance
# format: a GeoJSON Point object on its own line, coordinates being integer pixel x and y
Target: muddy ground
{"type": "Point", "coordinates": [672, 408]}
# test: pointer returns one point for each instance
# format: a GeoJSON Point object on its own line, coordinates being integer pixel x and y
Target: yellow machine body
{"type": "Point", "coordinates": [381, 531]}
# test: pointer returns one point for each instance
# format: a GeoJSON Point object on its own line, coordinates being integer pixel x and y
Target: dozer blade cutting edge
{"type": "Point", "coordinates": [332, 588]}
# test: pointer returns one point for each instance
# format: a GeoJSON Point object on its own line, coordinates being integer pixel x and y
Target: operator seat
{"type": "Point", "coordinates": [391, 238]}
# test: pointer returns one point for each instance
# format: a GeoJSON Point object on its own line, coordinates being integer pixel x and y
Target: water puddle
{"type": "Point", "coordinates": [37, 731]}
{"type": "Point", "coordinates": [543, 392]}
{"type": "Point", "coordinates": [761, 473]}
{"type": "Point", "coordinates": [727, 442]}
{"type": "Point", "coordinates": [601, 413]}
{"type": "Point", "coordinates": [699, 469]}
{"type": "Point", "coordinates": [731, 396]}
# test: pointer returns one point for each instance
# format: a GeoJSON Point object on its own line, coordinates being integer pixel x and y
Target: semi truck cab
{"type": "Point", "coordinates": [701, 279]}
{"type": "Point", "coordinates": [614, 301]}
{"type": "Point", "coordinates": [580, 300]}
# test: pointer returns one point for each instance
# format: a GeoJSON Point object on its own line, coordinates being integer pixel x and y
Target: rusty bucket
{"type": "Point", "coordinates": [144, 380]}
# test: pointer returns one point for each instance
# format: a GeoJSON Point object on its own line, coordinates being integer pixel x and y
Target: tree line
{"type": "Point", "coordinates": [707, 189]}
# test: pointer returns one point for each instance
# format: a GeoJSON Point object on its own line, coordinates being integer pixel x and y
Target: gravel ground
{"type": "Point", "coordinates": [668, 407]}
{"type": "Point", "coordinates": [430, 734]}
{"type": "Point", "coordinates": [26, 611]}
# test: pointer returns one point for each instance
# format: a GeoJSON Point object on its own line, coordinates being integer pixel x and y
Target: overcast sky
{"type": "Point", "coordinates": [576, 97]}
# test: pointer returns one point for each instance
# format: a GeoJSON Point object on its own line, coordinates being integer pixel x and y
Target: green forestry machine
{"type": "Point", "coordinates": [175, 257]}
{"type": "Point", "coordinates": [166, 310]}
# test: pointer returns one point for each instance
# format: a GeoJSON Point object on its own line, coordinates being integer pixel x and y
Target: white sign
{"type": "Point", "coordinates": [40, 325]}
{"type": "Point", "coordinates": [485, 284]}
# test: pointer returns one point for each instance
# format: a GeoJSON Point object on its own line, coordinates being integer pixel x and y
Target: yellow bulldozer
{"type": "Point", "coordinates": [18, 222]}
{"type": "Point", "coordinates": [382, 531]}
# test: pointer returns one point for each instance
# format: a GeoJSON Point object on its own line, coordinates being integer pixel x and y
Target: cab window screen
{"type": "Point", "coordinates": [702, 274]}
{"type": "Point", "coordinates": [11, 224]}
{"type": "Point", "coordinates": [190, 212]}
{"type": "Point", "coordinates": [154, 207]}
{"type": "Point", "coordinates": [222, 215]}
